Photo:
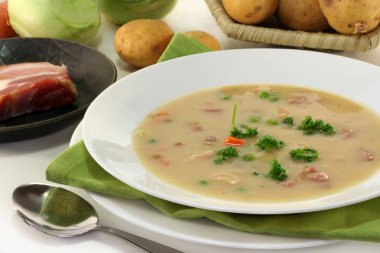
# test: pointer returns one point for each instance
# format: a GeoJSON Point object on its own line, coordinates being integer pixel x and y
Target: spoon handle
{"type": "Point", "coordinates": [148, 245]}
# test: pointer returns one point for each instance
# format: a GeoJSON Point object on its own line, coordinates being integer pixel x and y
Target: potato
{"type": "Point", "coordinates": [204, 38]}
{"type": "Point", "coordinates": [141, 42]}
{"type": "Point", "coordinates": [304, 15]}
{"type": "Point", "coordinates": [352, 16]}
{"type": "Point", "coordinates": [250, 12]}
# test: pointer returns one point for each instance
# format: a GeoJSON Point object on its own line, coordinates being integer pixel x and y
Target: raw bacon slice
{"type": "Point", "coordinates": [30, 87]}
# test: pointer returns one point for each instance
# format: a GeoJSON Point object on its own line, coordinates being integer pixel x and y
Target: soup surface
{"type": "Point", "coordinates": [263, 143]}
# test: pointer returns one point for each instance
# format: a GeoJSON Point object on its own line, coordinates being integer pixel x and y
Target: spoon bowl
{"type": "Point", "coordinates": [35, 204]}
{"type": "Point", "coordinates": [60, 212]}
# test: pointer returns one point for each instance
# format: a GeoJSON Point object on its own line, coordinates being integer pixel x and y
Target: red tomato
{"type": "Point", "coordinates": [6, 30]}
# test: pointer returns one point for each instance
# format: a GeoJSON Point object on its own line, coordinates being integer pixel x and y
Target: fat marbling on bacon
{"type": "Point", "coordinates": [30, 87]}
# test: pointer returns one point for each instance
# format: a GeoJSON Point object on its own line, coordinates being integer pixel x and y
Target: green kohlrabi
{"type": "Point", "coordinates": [76, 20]}
{"type": "Point", "coordinates": [123, 11]}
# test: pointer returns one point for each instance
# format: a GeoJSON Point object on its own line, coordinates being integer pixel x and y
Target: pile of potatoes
{"type": "Point", "coordinates": [141, 42]}
{"type": "Point", "coordinates": [344, 16]}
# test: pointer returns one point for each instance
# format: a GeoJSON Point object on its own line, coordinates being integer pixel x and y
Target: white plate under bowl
{"type": "Point", "coordinates": [111, 119]}
{"type": "Point", "coordinates": [200, 231]}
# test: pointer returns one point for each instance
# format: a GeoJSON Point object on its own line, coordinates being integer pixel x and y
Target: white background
{"type": "Point", "coordinates": [26, 161]}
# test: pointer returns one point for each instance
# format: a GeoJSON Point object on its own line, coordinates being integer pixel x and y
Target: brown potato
{"type": "Point", "coordinates": [204, 38]}
{"type": "Point", "coordinates": [250, 12]}
{"type": "Point", "coordinates": [352, 16]}
{"type": "Point", "coordinates": [304, 15]}
{"type": "Point", "coordinates": [141, 42]}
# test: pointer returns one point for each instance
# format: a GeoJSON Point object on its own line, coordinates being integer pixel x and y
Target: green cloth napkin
{"type": "Point", "coordinates": [361, 221]}
{"type": "Point", "coordinates": [76, 167]}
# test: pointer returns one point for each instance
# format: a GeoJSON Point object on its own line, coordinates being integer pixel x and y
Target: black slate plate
{"type": "Point", "coordinates": [90, 70]}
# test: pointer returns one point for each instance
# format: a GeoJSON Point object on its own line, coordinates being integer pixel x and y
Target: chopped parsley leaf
{"type": "Point", "coordinates": [310, 126]}
{"type": "Point", "coordinates": [225, 97]}
{"type": "Point", "coordinates": [277, 172]}
{"type": "Point", "coordinates": [306, 154]}
{"type": "Point", "coordinates": [244, 131]}
{"type": "Point", "coordinates": [271, 122]}
{"type": "Point", "coordinates": [288, 121]}
{"type": "Point", "coordinates": [264, 94]}
{"type": "Point", "coordinates": [271, 96]}
{"type": "Point", "coordinates": [224, 154]}
{"type": "Point", "coordinates": [269, 143]}
{"type": "Point", "coordinates": [203, 182]}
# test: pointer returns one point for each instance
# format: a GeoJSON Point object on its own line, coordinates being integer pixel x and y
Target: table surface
{"type": "Point", "coordinates": [26, 161]}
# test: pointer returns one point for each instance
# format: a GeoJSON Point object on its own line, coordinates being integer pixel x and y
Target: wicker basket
{"type": "Point", "coordinates": [270, 32]}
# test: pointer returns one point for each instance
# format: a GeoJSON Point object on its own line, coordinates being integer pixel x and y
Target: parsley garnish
{"type": "Point", "coordinates": [306, 154]}
{"type": "Point", "coordinates": [225, 97]}
{"type": "Point", "coordinates": [244, 131]}
{"type": "Point", "coordinates": [271, 96]}
{"type": "Point", "coordinates": [288, 121]}
{"type": "Point", "coordinates": [272, 122]}
{"type": "Point", "coordinates": [277, 172]}
{"type": "Point", "coordinates": [224, 154]}
{"type": "Point", "coordinates": [268, 143]}
{"type": "Point", "coordinates": [310, 126]}
{"type": "Point", "coordinates": [203, 182]}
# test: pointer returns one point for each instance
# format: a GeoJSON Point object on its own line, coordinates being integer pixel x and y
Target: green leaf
{"type": "Point", "coordinates": [269, 143]}
{"type": "Point", "coordinates": [305, 154]}
{"type": "Point", "coordinates": [277, 172]}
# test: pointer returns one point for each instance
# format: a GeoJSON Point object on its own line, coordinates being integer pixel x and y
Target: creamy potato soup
{"type": "Point", "coordinates": [262, 143]}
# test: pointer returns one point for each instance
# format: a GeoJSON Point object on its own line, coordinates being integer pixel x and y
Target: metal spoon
{"type": "Point", "coordinates": [57, 211]}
